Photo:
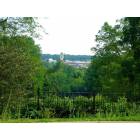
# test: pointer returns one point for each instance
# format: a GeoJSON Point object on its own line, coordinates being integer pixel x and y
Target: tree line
{"type": "Point", "coordinates": [46, 57]}
{"type": "Point", "coordinates": [33, 88]}
{"type": "Point", "coordinates": [115, 68]}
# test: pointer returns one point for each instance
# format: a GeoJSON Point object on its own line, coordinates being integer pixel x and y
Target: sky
{"type": "Point", "coordinates": [71, 24]}
{"type": "Point", "coordinates": [71, 34]}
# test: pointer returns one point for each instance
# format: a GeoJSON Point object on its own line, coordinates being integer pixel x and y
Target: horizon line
{"type": "Point", "coordinates": [66, 54]}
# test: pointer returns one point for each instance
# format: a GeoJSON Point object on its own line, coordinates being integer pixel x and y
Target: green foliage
{"type": "Point", "coordinates": [114, 71]}
{"type": "Point", "coordinates": [21, 68]}
{"type": "Point", "coordinates": [61, 78]}
{"type": "Point", "coordinates": [67, 107]}
{"type": "Point", "coordinates": [115, 67]}
{"type": "Point", "coordinates": [17, 26]}
{"type": "Point", "coordinates": [30, 88]}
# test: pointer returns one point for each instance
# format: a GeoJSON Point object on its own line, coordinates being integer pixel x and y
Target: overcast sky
{"type": "Point", "coordinates": [71, 34]}
{"type": "Point", "coordinates": [71, 24]}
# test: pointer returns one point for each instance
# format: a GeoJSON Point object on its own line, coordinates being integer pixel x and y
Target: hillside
{"type": "Point", "coordinates": [67, 57]}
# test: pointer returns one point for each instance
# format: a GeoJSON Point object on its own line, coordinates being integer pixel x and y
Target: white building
{"type": "Point", "coordinates": [78, 64]}
{"type": "Point", "coordinates": [50, 60]}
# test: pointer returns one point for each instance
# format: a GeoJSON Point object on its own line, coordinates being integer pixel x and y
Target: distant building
{"type": "Point", "coordinates": [77, 64]}
{"type": "Point", "coordinates": [50, 60]}
{"type": "Point", "coordinates": [61, 56]}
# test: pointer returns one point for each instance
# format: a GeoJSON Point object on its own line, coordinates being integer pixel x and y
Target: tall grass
{"type": "Point", "coordinates": [78, 107]}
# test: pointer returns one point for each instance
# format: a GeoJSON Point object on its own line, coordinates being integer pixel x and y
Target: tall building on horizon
{"type": "Point", "coordinates": [61, 56]}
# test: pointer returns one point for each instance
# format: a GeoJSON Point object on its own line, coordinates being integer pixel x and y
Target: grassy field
{"type": "Point", "coordinates": [91, 119]}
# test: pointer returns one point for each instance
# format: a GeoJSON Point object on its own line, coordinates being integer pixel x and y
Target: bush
{"type": "Point", "coordinates": [80, 106]}
{"type": "Point", "coordinates": [122, 106]}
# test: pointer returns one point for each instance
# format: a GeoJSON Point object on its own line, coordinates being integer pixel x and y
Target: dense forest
{"type": "Point", "coordinates": [32, 88]}
{"type": "Point", "coordinates": [46, 57]}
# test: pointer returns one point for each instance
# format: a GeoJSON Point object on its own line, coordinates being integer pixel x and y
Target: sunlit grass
{"type": "Point", "coordinates": [90, 119]}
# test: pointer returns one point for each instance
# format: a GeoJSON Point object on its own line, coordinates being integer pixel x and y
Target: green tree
{"type": "Point", "coordinates": [131, 39]}
{"type": "Point", "coordinates": [62, 78]}
{"type": "Point", "coordinates": [20, 63]}
{"type": "Point", "coordinates": [17, 26]}
{"type": "Point", "coordinates": [115, 68]}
